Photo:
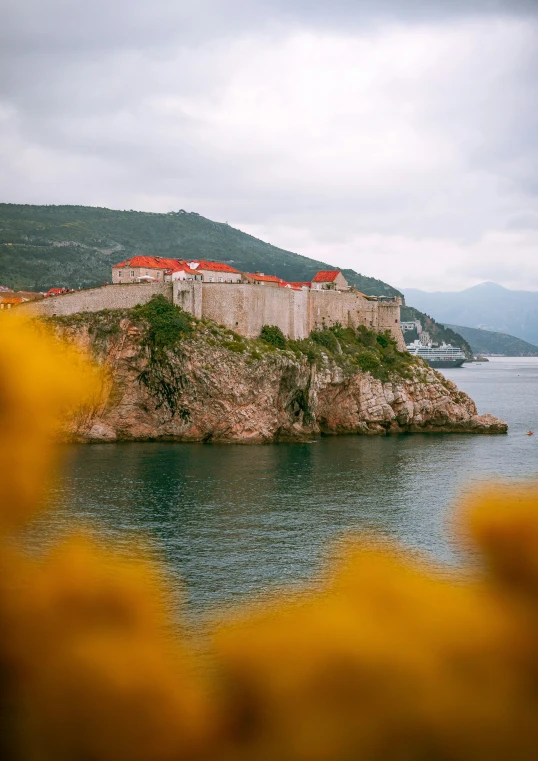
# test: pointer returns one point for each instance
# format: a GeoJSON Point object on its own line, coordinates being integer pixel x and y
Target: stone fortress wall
{"type": "Point", "coordinates": [246, 308]}
{"type": "Point", "coordinates": [242, 307]}
{"type": "Point", "coordinates": [95, 299]}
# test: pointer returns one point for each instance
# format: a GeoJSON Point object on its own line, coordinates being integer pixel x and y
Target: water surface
{"type": "Point", "coordinates": [235, 520]}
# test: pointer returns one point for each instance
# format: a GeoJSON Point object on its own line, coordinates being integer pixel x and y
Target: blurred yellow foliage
{"type": "Point", "coordinates": [386, 659]}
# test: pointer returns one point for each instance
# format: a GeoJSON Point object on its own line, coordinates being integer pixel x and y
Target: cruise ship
{"type": "Point", "coordinates": [440, 356]}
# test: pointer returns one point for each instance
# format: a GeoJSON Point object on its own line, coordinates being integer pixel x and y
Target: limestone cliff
{"type": "Point", "coordinates": [213, 386]}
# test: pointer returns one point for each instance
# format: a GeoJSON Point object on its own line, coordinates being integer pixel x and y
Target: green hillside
{"type": "Point", "coordinates": [439, 333]}
{"type": "Point", "coordinates": [73, 246]}
{"type": "Point", "coordinates": [490, 342]}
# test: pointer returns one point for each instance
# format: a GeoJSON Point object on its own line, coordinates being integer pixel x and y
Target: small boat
{"type": "Point", "coordinates": [530, 433]}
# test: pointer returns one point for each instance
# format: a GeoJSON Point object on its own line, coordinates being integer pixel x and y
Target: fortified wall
{"type": "Point", "coordinates": [95, 299]}
{"type": "Point", "coordinates": [242, 307]}
{"type": "Point", "coordinates": [247, 308]}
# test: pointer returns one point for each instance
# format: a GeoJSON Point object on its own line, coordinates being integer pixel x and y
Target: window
{"type": "Point", "coordinates": [210, 278]}
{"type": "Point", "coordinates": [219, 280]}
{"type": "Point", "coordinates": [119, 273]}
{"type": "Point", "coordinates": [132, 273]}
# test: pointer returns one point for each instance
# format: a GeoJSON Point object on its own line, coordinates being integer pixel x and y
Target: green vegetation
{"type": "Point", "coordinates": [166, 324]}
{"type": "Point", "coordinates": [353, 350]}
{"type": "Point", "coordinates": [75, 246]}
{"type": "Point", "coordinates": [439, 333]}
{"type": "Point", "coordinates": [491, 342]}
{"type": "Point", "coordinates": [274, 336]}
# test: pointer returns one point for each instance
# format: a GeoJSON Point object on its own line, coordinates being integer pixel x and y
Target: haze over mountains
{"type": "Point", "coordinates": [488, 305]}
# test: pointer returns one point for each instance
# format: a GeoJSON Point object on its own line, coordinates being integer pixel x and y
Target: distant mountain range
{"type": "Point", "coordinates": [488, 306]}
{"type": "Point", "coordinates": [489, 342]}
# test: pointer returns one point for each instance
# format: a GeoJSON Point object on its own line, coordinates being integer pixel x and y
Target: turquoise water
{"type": "Point", "coordinates": [232, 521]}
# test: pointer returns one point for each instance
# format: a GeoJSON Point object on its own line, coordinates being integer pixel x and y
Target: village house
{"type": "Point", "coordinates": [140, 269]}
{"type": "Point", "coordinates": [258, 278]}
{"type": "Point", "coordinates": [214, 272]}
{"type": "Point", "coordinates": [329, 280]}
{"type": "Point", "coordinates": [8, 302]}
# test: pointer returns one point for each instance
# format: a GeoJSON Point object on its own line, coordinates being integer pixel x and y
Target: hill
{"type": "Point", "coordinates": [488, 306]}
{"type": "Point", "coordinates": [490, 342]}
{"type": "Point", "coordinates": [75, 246]}
{"type": "Point", "coordinates": [439, 333]}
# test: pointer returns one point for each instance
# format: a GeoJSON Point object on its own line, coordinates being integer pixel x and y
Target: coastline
{"type": "Point", "coordinates": [208, 389]}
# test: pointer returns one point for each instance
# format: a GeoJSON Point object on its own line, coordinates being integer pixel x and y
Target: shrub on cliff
{"type": "Point", "coordinates": [166, 323]}
{"type": "Point", "coordinates": [327, 339]}
{"type": "Point", "coordinates": [163, 379]}
{"type": "Point", "coordinates": [272, 334]}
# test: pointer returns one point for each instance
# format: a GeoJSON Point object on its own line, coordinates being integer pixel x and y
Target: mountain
{"type": "Point", "coordinates": [490, 342]}
{"type": "Point", "coordinates": [488, 306]}
{"type": "Point", "coordinates": [74, 246]}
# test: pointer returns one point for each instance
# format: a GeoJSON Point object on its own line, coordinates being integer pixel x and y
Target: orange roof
{"type": "Point", "coordinates": [295, 286]}
{"type": "Point", "coordinates": [12, 300]}
{"type": "Point", "coordinates": [265, 278]}
{"type": "Point", "coordinates": [179, 266]}
{"type": "Point", "coordinates": [326, 276]}
{"type": "Point", "coordinates": [163, 263]}
{"type": "Point", "coordinates": [55, 290]}
{"type": "Point", "coordinates": [149, 262]}
{"type": "Point", "coordinates": [203, 264]}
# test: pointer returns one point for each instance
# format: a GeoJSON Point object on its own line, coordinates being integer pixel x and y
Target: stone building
{"type": "Point", "coordinates": [259, 278]}
{"type": "Point", "coordinates": [329, 280]}
{"type": "Point", "coordinates": [158, 269]}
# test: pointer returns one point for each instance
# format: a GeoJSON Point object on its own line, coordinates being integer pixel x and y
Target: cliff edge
{"type": "Point", "coordinates": [168, 376]}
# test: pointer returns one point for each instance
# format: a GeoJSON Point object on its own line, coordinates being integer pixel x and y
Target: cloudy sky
{"type": "Point", "coordinates": [396, 137]}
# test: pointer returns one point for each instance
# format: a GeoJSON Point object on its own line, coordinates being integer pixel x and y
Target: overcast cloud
{"type": "Point", "coordinates": [399, 140]}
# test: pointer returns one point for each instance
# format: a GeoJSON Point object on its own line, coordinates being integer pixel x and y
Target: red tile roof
{"type": "Point", "coordinates": [55, 291]}
{"type": "Point", "coordinates": [265, 278]}
{"type": "Point", "coordinates": [149, 262]}
{"type": "Point", "coordinates": [163, 263]}
{"type": "Point", "coordinates": [295, 286]}
{"type": "Point", "coordinates": [325, 276]}
{"type": "Point", "coordinates": [203, 264]}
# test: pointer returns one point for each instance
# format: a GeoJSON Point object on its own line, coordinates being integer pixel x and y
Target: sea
{"type": "Point", "coordinates": [232, 522]}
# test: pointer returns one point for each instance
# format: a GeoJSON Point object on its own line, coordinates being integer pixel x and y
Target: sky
{"type": "Point", "coordinates": [395, 137]}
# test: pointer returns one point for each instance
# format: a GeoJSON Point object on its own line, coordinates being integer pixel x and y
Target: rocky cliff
{"type": "Point", "coordinates": [207, 384]}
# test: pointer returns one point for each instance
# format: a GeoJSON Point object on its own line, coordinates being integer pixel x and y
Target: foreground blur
{"type": "Point", "coordinates": [386, 659]}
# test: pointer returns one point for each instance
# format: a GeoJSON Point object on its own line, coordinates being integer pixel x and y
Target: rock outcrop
{"type": "Point", "coordinates": [205, 390]}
